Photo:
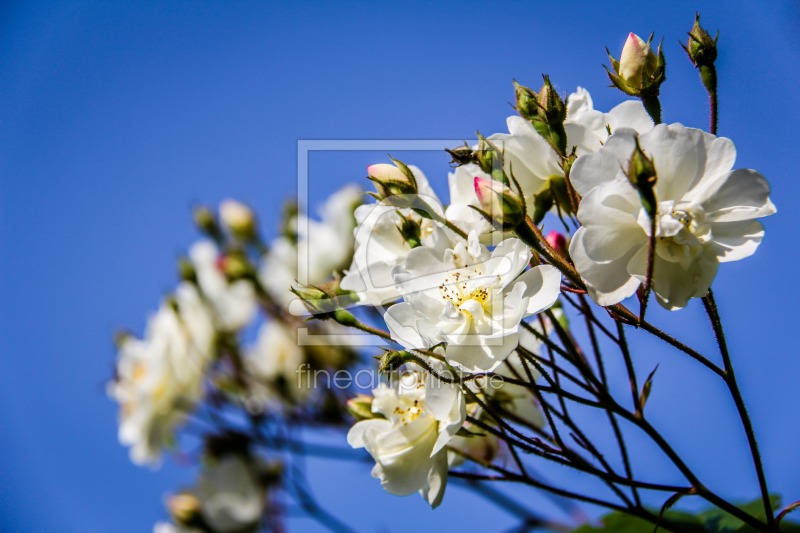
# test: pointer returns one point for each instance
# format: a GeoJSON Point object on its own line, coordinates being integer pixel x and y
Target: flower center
{"type": "Point", "coordinates": [408, 411]}
{"type": "Point", "coordinates": [682, 232]}
{"type": "Point", "coordinates": [463, 286]}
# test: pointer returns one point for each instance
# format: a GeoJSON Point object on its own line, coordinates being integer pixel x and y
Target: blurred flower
{"type": "Point", "coordinates": [159, 378]}
{"type": "Point", "coordinates": [705, 214]}
{"type": "Point", "coordinates": [238, 218]}
{"type": "Point", "coordinates": [231, 498]}
{"type": "Point", "coordinates": [320, 248]}
{"type": "Point", "coordinates": [420, 414]}
{"type": "Point", "coordinates": [470, 299]}
{"type": "Point", "coordinates": [234, 302]}
{"type": "Point", "coordinates": [274, 362]}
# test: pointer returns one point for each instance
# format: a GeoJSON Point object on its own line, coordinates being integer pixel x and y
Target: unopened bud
{"type": "Point", "coordinates": [642, 175]}
{"type": "Point", "coordinates": [640, 71]}
{"type": "Point", "coordinates": [237, 218]}
{"type": "Point", "coordinates": [360, 407]}
{"type": "Point", "coordinates": [235, 266]}
{"type": "Point", "coordinates": [186, 270]}
{"type": "Point", "coordinates": [205, 221]}
{"type": "Point", "coordinates": [461, 155]}
{"type": "Point", "coordinates": [391, 180]}
{"type": "Point", "coordinates": [558, 243]}
{"type": "Point", "coordinates": [546, 111]}
{"type": "Point", "coordinates": [501, 206]}
{"type": "Point", "coordinates": [636, 54]}
{"type": "Point", "coordinates": [411, 231]}
{"type": "Point", "coordinates": [184, 508]}
{"type": "Point", "coordinates": [553, 107]}
{"type": "Point", "coordinates": [527, 101]}
{"type": "Point", "coordinates": [702, 49]}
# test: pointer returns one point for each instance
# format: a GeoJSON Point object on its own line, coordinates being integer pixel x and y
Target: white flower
{"type": "Point", "coordinates": [380, 246]}
{"type": "Point", "coordinates": [159, 378]}
{"type": "Point", "coordinates": [705, 215]}
{"type": "Point", "coordinates": [231, 499]}
{"type": "Point", "coordinates": [276, 358]}
{"type": "Point", "coordinates": [588, 128]}
{"type": "Point", "coordinates": [527, 157]}
{"type": "Point", "coordinates": [322, 248]}
{"type": "Point", "coordinates": [420, 416]}
{"type": "Point", "coordinates": [235, 302]}
{"type": "Point", "coordinates": [532, 160]}
{"type": "Point", "coordinates": [470, 299]}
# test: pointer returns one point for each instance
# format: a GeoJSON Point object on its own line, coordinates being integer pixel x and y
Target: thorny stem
{"type": "Point", "coordinates": [730, 380]}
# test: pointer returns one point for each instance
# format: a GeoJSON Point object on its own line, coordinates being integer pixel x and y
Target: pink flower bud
{"type": "Point", "coordinates": [558, 242]}
{"type": "Point", "coordinates": [500, 205]}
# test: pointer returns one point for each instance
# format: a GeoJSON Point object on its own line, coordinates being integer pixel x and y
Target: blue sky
{"type": "Point", "coordinates": [117, 117]}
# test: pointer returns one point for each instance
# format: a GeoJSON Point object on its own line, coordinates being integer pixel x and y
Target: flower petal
{"type": "Point", "coordinates": [608, 283]}
{"type": "Point", "coordinates": [736, 240]}
{"type": "Point", "coordinates": [740, 195]}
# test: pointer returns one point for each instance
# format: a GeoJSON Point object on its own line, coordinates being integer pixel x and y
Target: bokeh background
{"type": "Point", "coordinates": [117, 117]}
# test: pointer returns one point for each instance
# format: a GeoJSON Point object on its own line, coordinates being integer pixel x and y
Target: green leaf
{"type": "Point", "coordinates": [625, 523]}
{"type": "Point", "coordinates": [719, 521]}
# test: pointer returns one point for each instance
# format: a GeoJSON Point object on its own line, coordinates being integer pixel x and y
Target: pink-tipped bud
{"type": "Point", "coordinates": [386, 172]}
{"type": "Point", "coordinates": [392, 179]}
{"type": "Point", "coordinates": [558, 242]}
{"type": "Point", "coordinates": [499, 205]}
{"type": "Point", "coordinates": [635, 59]}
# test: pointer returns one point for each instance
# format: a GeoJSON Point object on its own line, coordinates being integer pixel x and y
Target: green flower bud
{"type": "Point", "coordinates": [411, 231]}
{"type": "Point", "coordinates": [206, 222]}
{"type": "Point", "coordinates": [700, 47]}
{"type": "Point", "coordinates": [527, 101]}
{"type": "Point", "coordinates": [642, 175]}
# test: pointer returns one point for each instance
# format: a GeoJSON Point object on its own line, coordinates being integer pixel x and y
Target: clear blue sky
{"type": "Point", "coordinates": [117, 117]}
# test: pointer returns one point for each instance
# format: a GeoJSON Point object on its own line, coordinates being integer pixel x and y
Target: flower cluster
{"type": "Point", "coordinates": [467, 297]}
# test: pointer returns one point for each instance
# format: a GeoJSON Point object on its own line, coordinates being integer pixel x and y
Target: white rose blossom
{"type": "Point", "coordinates": [531, 159]}
{"type": "Point", "coordinates": [588, 128]}
{"type": "Point", "coordinates": [160, 378]}
{"type": "Point", "coordinates": [470, 299]}
{"type": "Point", "coordinates": [420, 414]}
{"type": "Point", "coordinates": [705, 215]}
{"type": "Point", "coordinates": [380, 246]}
